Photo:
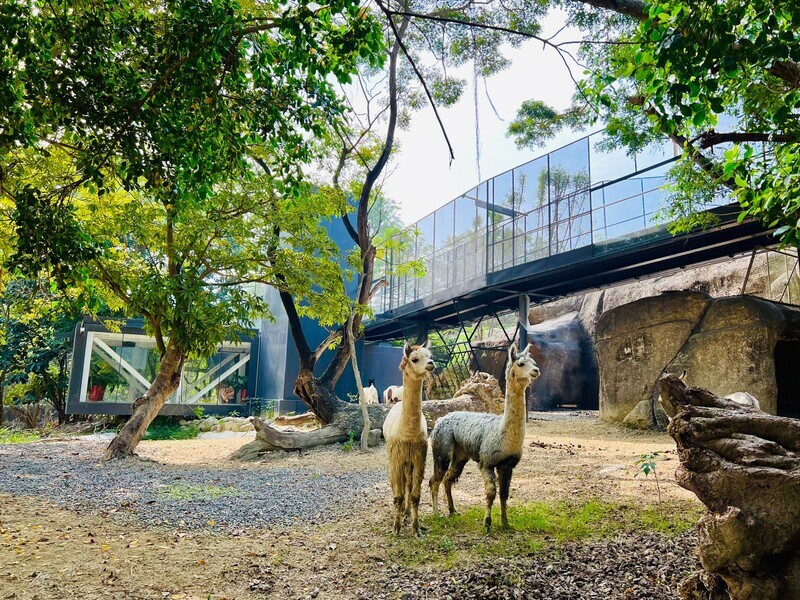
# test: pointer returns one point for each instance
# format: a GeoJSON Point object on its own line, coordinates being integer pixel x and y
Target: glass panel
{"type": "Point", "coordinates": [608, 165]}
{"type": "Point", "coordinates": [467, 219]}
{"type": "Point", "coordinates": [444, 225]}
{"type": "Point", "coordinates": [504, 191]}
{"type": "Point", "coordinates": [530, 184]}
{"type": "Point", "coordinates": [425, 236]}
{"type": "Point", "coordinates": [655, 153]}
{"type": "Point", "coordinates": [215, 380]}
{"type": "Point", "coordinates": [569, 170]}
{"type": "Point", "coordinates": [123, 365]}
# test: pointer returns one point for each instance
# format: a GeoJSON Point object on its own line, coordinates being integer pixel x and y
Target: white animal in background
{"type": "Point", "coordinates": [371, 394]}
{"type": "Point", "coordinates": [744, 399]}
{"type": "Point", "coordinates": [393, 394]}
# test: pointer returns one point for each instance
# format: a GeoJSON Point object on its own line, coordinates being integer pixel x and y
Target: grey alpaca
{"type": "Point", "coordinates": [493, 441]}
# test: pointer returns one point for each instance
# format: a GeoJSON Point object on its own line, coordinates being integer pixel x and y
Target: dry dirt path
{"type": "Point", "coordinates": [59, 540]}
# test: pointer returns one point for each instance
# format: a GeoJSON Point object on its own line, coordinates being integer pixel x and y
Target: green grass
{"type": "Point", "coordinates": [189, 491]}
{"type": "Point", "coordinates": [18, 436]}
{"type": "Point", "coordinates": [447, 541]}
{"type": "Point", "coordinates": [165, 428]}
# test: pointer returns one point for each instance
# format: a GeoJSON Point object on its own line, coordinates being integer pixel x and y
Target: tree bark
{"type": "Point", "coordinates": [362, 400]}
{"type": "Point", "coordinates": [146, 407]}
{"type": "Point", "coordinates": [744, 465]}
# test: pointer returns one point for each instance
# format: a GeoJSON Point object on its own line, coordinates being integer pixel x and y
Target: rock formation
{"type": "Point", "coordinates": [726, 345]}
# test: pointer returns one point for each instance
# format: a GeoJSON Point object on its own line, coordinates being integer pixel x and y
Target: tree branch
{"type": "Point", "coordinates": [713, 138]}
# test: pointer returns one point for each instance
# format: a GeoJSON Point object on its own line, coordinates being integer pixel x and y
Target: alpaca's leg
{"type": "Point", "coordinates": [504, 475]}
{"type": "Point", "coordinates": [459, 459]}
{"type": "Point", "coordinates": [409, 476]}
{"type": "Point", "coordinates": [434, 485]}
{"type": "Point", "coordinates": [416, 485]}
{"type": "Point", "coordinates": [441, 463]}
{"type": "Point", "coordinates": [490, 487]}
{"type": "Point", "coordinates": [397, 479]}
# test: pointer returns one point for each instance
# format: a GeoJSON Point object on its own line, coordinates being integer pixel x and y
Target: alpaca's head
{"type": "Point", "coordinates": [417, 361]}
{"type": "Point", "coordinates": [521, 366]}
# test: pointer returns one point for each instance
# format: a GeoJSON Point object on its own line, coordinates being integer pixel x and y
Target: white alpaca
{"type": "Point", "coordinates": [406, 436]}
{"type": "Point", "coordinates": [392, 394]}
{"type": "Point", "coordinates": [371, 394]}
{"type": "Point", "coordinates": [493, 441]}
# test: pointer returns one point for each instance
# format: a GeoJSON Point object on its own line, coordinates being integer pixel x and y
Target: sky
{"type": "Point", "coordinates": [423, 179]}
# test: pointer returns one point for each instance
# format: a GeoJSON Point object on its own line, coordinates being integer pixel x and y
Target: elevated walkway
{"type": "Point", "coordinates": [572, 220]}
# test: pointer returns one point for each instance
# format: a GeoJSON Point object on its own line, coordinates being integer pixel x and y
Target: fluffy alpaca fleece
{"type": "Point", "coordinates": [393, 393]}
{"type": "Point", "coordinates": [406, 437]}
{"type": "Point", "coordinates": [371, 394]}
{"type": "Point", "coordinates": [493, 441]}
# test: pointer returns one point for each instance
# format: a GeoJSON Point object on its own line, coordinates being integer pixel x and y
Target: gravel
{"type": "Point", "coordinates": [71, 475]}
{"type": "Point", "coordinates": [646, 566]}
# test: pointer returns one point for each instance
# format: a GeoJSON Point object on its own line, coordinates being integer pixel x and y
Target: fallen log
{"type": "Point", "coordinates": [303, 420]}
{"type": "Point", "coordinates": [744, 465]}
{"type": "Point", "coordinates": [480, 393]}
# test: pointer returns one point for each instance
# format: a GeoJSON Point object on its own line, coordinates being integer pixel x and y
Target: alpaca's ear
{"type": "Point", "coordinates": [512, 351]}
{"type": "Point", "coordinates": [425, 344]}
{"type": "Point", "coordinates": [527, 350]}
{"type": "Point", "coordinates": [408, 349]}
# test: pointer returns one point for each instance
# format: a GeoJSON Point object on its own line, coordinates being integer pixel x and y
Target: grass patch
{"type": "Point", "coordinates": [18, 436]}
{"type": "Point", "coordinates": [461, 540]}
{"type": "Point", "coordinates": [165, 428]}
{"type": "Point", "coordinates": [190, 491]}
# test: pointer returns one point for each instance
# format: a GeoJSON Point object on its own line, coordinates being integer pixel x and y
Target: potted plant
{"type": "Point", "coordinates": [102, 376]}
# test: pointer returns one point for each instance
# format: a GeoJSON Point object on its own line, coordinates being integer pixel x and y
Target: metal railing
{"type": "Point", "coordinates": [576, 196]}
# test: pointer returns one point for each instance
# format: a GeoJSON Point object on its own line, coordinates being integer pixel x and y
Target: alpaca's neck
{"type": "Point", "coordinates": [412, 400]}
{"type": "Point", "coordinates": [513, 423]}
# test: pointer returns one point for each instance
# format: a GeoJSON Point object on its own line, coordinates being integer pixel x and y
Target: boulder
{"type": "Point", "coordinates": [641, 417]}
{"type": "Point", "coordinates": [733, 350]}
{"type": "Point", "coordinates": [725, 345]}
{"type": "Point", "coordinates": [374, 437]}
{"type": "Point", "coordinates": [564, 352]}
{"type": "Point", "coordinates": [636, 341]}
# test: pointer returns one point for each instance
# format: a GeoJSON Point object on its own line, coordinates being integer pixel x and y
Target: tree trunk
{"type": "Point", "coordinates": [318, 396]}
{"type": "Point", "coordinates": [145, 408]}
{"type": "Point", "coordinates": [2, 397]}
{"type": "Point", "coordinates": [362, 399]}
{"type": "Point", "coordinates": [744, 465]}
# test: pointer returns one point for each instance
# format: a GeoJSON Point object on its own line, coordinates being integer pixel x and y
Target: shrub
{"type": "Point", "coordinates": [167, 428]}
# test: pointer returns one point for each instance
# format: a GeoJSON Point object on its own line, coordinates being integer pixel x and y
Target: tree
{"type": "Point", "coordinates": [360, 153]}
{"type": "Point", "coordinates": [158, 114]}
{"type": "Point", "coordinates": [36, 326]}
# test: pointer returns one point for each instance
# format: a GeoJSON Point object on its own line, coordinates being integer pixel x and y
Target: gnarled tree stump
{"type": "Point", "coordinates": [744, 465]}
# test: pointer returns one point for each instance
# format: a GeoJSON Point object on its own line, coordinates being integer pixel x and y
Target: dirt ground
{"type": "Point", "coordinates": [48, 552]}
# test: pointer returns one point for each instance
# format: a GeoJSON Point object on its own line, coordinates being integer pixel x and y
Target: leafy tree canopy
{"type": "Point", "coordinates": [129, 139]}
